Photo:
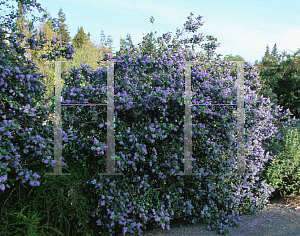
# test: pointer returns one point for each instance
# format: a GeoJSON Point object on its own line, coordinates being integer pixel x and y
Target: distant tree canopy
{"type": "Point", "coordinates": [280, 77]}
{"type": "Point", "coordinates": [80, 38]}
{"type": "Point", "coordinates": [233, 58]}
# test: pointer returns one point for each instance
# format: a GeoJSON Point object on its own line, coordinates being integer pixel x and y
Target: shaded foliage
{"type": "Point", "coordinates": [280, 78]}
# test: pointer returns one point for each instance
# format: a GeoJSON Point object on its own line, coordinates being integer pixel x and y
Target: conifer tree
{"type": "Point", "coordinates": [281, 78]}
{"type": "Point", "coordinates": [80, 38]}
{"type": "Point", "coordinates": [109, 42]}
{"type": "Point", "coordinates": [266, 58]}
{"type": "Point", "coordinates": [102, 44]}
{"type": "Point", "coordinates": [63, 31]}
{"type": "Point", "coordinates": [125, 43]}
{"type": "Point", "coordinates": [105, 45]}
{"type": "Point", "coordinates": [274, 55]}
{"type": "Point", "coordinates": [89, 40]}
{"type": "Point", "coordinates": [102, 38]}
{"type": "Point", "coordinates": [263, 65]}
{"type": "Point", "coordinates": [267, 53]}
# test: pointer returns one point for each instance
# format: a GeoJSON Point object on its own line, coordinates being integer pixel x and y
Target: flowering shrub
{"type": "Point", "coordinates": [16, 80]}
{"type": "Point", "coordinates": [26, 146]}
{"type": "Point", "coordinates": [149, 108]}
{"type": "Point", "coordinates": [145, 116]}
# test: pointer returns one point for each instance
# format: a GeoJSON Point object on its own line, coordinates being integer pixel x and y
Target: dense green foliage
{"type": "Point", "coordinates": [280, 77]}
{"type": "Point", "coordinates": [51, 209]}
{"type": "Point", "coordinates": [284, 173]}
{"type": "Point", "coordinates": [80, 38]}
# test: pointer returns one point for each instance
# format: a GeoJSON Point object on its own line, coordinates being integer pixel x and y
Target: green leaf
{"type": "Point", "coordinates": [4, 151]}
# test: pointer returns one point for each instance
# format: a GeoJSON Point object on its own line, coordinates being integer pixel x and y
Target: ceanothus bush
{"type": "Point", "coordinates": [149, 118]}
{"type": "Point", "coordinates": [20, 91]}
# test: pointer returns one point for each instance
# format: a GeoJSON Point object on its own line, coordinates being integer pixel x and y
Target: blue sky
{"type": "Point", "coordinates": [242, 27]}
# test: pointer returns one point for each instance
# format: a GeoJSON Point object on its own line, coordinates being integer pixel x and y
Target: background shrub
{"type": "Point", "coordinates": [283, 174]}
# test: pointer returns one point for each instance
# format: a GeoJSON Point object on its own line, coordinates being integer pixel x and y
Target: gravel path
{"type": "Point", "coordinates": [280, 218]}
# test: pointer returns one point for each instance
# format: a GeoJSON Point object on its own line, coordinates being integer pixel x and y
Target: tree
{"type": "Point", "coordinates": [264, 64]}
{"type": "Point", "coordinates": [124, 43]}
{"type": "Point", "coordinates": [148, 45]}
{"type": "Point", "coordinates": [63, 32]}
{"type": "Point", "coordinates": [274, 53]}
{"type": "Point", "coordinates": [24, 26]}
{"type": "Point", "coordinates": [102, 39]}
{"type": "Point", "coordinates": [102, 43]}
{"type": "Point", "coordinates": [266, 60]}
{"type": "Point", "coordinates": [267, 53]}
{"type": "Point", "coordinates": [210, 46]}
{"type": "Point", "coordinates": [87, 54]}
{"type": "Point", "coordinates": [105, 45]}
{"type": "Point", "coordinates": [230, 57]}
{"type": "Point", "coordinates": [233, 58]}
{"type": "Point", "coordinates": [271, 70]}
{"type": "Point", "coordinates": [284, 80]}
{"type": "Point", "coordinates": [109, 42]}
{"type": "Point", "coordinates": [80, 38]}
{"type": "Point", "coordinates": [127, 42]}
{"type": "Point", "coordinates": [89, 40]}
